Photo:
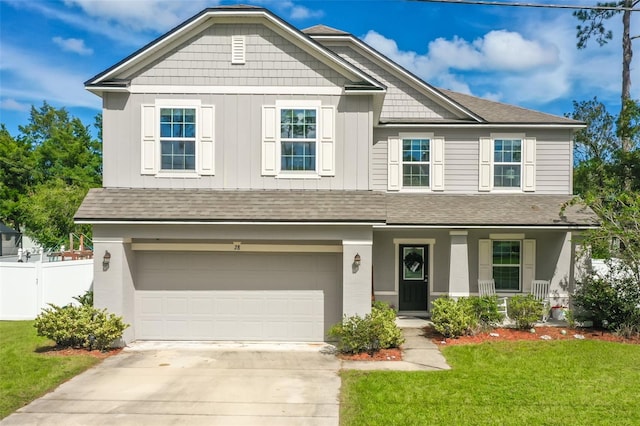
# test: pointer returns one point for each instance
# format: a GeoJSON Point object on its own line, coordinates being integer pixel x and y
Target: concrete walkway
{"type": "Point", "coordinates": [419, 353]}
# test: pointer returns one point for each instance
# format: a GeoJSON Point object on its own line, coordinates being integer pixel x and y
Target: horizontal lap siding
{"type": "Point", "coordinates": [553, 164]}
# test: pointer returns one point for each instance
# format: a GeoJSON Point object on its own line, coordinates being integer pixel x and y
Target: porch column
{"type": "Point", "coordinates": [356, 279]}
{"type": "Point", "coordinates": [458, 264]}
{"type": "Point", "coordinates": [113, 283]}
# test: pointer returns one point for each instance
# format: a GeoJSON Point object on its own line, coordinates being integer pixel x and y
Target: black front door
{"type": "Point", "coordinates": [414, 277]}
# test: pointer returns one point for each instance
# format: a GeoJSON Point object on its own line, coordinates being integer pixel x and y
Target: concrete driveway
{"type": "Point", "coordinates": [155, 383]}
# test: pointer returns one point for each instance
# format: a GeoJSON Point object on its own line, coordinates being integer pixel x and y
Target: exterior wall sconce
{"type": "Point", "coordinates": [356, 260]}
{"type": "Point", "coordinates": [106, 259]}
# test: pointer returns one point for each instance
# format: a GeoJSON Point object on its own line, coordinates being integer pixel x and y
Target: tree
{"type": "Point", "coordinates": [16, 170]}
{"type": "Point", "coordinates": [594, 26]}
{"type": "Point", "coordinates": [45, 172]}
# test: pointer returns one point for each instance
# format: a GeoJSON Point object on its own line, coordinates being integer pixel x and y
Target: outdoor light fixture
{"type": "Point", "coordinates": [105, 260]}
{"type": "Point", "coordinates": [356, 260]}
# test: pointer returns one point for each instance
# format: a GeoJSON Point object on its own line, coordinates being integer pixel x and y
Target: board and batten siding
{"type": "Point", "coordinates": [270, 60]}
{"type": "Point", "coordinates": [461, 150]}
{"type": "Point", "coordinates": [238, 124]}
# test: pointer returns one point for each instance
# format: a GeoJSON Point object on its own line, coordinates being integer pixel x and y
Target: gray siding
{"type": "Point", "coordinates": [553, 158]}
{"type": "Point", "coordinates": [238, 135]}
{"type": "Point", "coordinates": [402, 101]}
{"type": "Point", "coordinates": [271, 60]}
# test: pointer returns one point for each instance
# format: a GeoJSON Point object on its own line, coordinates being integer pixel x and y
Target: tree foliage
{"type": "Point", "coordinates": [45, 171]}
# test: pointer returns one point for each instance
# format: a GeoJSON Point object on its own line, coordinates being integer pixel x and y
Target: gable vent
{"type": "Point", "coordinates": [237, 50]}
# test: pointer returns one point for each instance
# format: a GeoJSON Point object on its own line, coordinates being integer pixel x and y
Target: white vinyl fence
{"type": "Point", "coordinates": [26, 288]}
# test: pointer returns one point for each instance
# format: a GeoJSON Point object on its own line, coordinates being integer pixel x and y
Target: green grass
{"type": "Point", "coordinates": [26, 374]}
{"type": "Point", "coordinates": [504, 383]}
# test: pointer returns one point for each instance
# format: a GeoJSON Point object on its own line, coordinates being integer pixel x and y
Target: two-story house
{"type": "Point", "coordinates": [260, 182]}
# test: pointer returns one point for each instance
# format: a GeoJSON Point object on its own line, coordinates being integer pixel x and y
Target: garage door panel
{"type": "Point", "coordinates": [237, 296]}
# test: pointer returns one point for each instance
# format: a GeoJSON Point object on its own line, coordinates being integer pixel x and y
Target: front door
{"type": "Point", "coordinates": [414, 277]}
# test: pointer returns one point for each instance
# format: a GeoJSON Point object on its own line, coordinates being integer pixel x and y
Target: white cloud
{"type": "Point", "coordinates": [141, 15]}
{"type": "Point", "coordinates": [29, 78]}
{"type": "Point", "coordinates": [13, 105]}
{"type": "Point", "coordinates": [75, 45]}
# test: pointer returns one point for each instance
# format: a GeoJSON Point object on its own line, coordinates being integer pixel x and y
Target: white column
{"type": "Point", "coordinates": [458, 264]}
{"type": "Point", "coordinates": [356, 279]}
{"type": "Point", "coordinates": [113, 287]}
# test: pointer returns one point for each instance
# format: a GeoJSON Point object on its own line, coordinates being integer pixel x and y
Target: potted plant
{"type": "Point", "coordinates": [558, 312]}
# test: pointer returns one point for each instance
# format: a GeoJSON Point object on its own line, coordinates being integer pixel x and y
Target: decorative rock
{"type": "Point", "coordinates": [443, 342]}
{"type": "Point", "coordinates": [545, 337]}
{"type": "Point", "coordinates": [533, 330]}
{"type": "Point", "coordinates": [563, 332]}
{"type": "Point", "coordinates": [579, 336]}
{"type": "Point", "coordinates": [494, 335]}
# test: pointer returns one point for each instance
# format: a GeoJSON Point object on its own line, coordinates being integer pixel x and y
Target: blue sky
{"type": "Point", "coordinates": [522, 56]}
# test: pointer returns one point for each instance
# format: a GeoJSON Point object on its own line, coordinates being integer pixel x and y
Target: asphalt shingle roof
{"type": "Point", "coordinates": [200, 205]}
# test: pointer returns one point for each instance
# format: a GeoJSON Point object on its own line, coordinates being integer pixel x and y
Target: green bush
{"type": "Point", "coordinates": [377, 330]}
{"type": "Point", "coordinates": [525, 310]}
{"type": "Point", "coordinates": [610, 302]}
{"type": "Point", "coordinates": [79, 326]}
{"type": "Point", "coordinates": [453, 318]}
{"type": "Point", "coordinates": [86, 299]}
{"type": "Point", "coordinates": [486, 311]}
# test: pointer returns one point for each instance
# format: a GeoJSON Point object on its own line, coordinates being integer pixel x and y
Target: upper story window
{"type": "Point", "coordinates": [298, 139]}
{"type": "Point", "coordinates": [507, 163]}
{"type": "Point", "coordinates": [415, 163]}
{"type": "Point", "coordinates": [507, 158]}
{"type": "Point", "coordinates": [177, 139]}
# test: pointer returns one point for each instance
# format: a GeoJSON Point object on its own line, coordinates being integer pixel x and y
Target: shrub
{"type": "Point", "coordinates": [610, 301]}
{"type": "Point", "coordinates": [79, 326]}
{"type": "Point", "coordinates": [486, 311]}
{"type": "Point", "coordinates": [86, 299]}
{"type": "Point", "coordinates": [453, 318]}
{"type": "Point", "coordinates": [525, 310]}
{"type": "Point", "coordinates": [377, 330]}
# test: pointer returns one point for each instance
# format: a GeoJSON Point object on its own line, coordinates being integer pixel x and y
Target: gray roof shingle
{"type": "Point", "coordinates": [201, 205]}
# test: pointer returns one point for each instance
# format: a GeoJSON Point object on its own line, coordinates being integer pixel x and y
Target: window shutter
{"type": "Point", "coordinates": [437, 164]}
{"type": "Point", "coordinates": [148, 147]}
{"type": "Point", "coordinates": [269, 141]}
{"type": "Point", "coordinates": [327, 150]}
{"type": "Point", "coordinates": [485, 165]}
{"type": "Point", "coordinates": [528, 264]}
{"type": "Point", "coordinates": [207, 148]}
{"type": "Point", "coordinates": [484, 260]}
{"type": "Point", "coordinates": [529, 165]}
{"type": "Point", "coordinates": [237, 50]}
{"type": "Point", "coordinates": [394, 154]}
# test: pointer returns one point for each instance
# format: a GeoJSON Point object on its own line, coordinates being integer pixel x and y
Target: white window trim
{"type": "Point", "coordinates": [430, 137]}
{"type": "Point", "coordinates": [519, 136]}
{"type": "Point", "coordinates": [296, 174]}
{"type": "Point", "coordinates": [520, 265]}
{"type": "Point", "coordinates": [195, 104]}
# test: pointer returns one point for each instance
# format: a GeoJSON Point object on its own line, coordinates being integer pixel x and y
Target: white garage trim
{"type": "Point", "coordinates": [238, 246]}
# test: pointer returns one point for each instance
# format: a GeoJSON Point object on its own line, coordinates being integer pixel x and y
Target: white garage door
{"type": "Point", "coordinates": [237, 296]}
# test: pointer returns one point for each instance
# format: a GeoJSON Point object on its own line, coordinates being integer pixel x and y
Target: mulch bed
{"type": "Point", "coordinates": [555, 333]}
{"type": "Point", "coordinates": [56, 351]}
{"type": "Point", "coordinates": [394, 354]}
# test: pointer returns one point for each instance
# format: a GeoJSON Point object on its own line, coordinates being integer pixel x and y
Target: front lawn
{"type": "Point", "coordinates": [26, 374]}
{"type": "Point", "coordinates": [504, 383]}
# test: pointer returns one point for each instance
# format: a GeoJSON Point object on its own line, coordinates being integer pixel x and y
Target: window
{"type": "Point", "coordinates": [298, 139]}
{"type": "Point", "coordinates": [415, 163]}
{"type": "Point", "coordinates": [506, 264]}
{"type": "Point", "coordinates": [178, 138]}
{"type": "Point", "coordinates": [507, 157]}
